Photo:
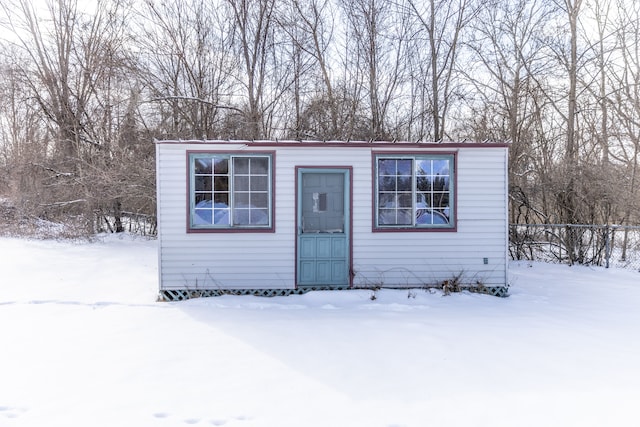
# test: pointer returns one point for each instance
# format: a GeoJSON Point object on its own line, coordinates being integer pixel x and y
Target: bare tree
{"type": "Point", "coordinates": [378, 30]}
{"type": "Point", "coordinates": [440, 24]}
{"type": "Point", "coordinates": [253, 38]}
{"type": "Point", "coordinates": [22, 132]}
{"type": "Point", "coordinates": [624, 101]}
{"type": "Point", "coordinates": [75, 72]}
{"type": "Point", "coordinates": [310, 27]}
{"type": "Point", "coordinates": [186, 52]}
{"type": "Point", "coordinates": [603, 50]}
{"type": "Point", "coordinates": [506, 51]}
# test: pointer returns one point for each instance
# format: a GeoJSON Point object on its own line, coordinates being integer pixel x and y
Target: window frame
{"type": "Point", "coordinates": [192, 227]}
{"type": "Point", "coordinates": [414, 227]}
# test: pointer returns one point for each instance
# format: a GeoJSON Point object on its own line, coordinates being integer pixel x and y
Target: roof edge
{"type": "Point", "coordinates": [335, 143]}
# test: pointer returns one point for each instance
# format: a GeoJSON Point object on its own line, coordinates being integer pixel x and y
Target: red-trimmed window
{"type": "Point", "coordinates": [414, 191]}
{"type": "Point", "coordinates": [229, 191]}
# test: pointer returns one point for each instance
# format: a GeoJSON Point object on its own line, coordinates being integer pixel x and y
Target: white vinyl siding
{"type": "Point", "coordinates": [267, 260]}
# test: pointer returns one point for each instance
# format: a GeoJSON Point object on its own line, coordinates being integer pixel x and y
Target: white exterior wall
{"type": "Point", "coordinates": [418, 258]}
{"type": "Point", "coordinates": [267, 260]}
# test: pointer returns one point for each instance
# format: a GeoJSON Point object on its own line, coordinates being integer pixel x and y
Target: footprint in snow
{"type": "Point", "coordinates": [193, 421]}
{"type": "Point", "coordinates": [9, 412]}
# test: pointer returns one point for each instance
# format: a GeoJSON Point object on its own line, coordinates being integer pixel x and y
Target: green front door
{"type": "Point", "coordinates": [323, 227]}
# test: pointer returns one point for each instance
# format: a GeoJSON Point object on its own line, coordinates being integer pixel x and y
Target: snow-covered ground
{"type": "Point", "coordinates": [83, 342]}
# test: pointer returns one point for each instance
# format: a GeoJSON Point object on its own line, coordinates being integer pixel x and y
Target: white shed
{"type": "Point", "coordinates": [282, 217]}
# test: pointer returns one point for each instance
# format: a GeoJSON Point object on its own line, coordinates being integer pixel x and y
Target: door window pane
{"type": "Point", "coordinates": [322, 202]}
